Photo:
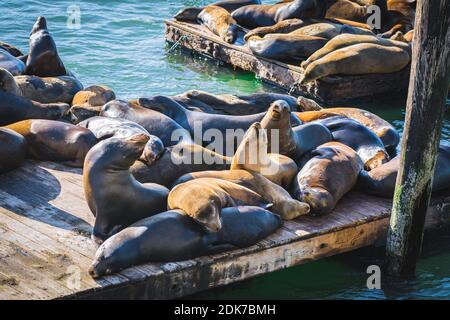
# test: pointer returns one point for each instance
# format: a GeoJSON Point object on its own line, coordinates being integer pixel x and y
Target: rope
{"type": "Point", "coordinates": [177, 43]}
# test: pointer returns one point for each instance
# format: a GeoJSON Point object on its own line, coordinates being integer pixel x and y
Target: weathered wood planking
{"type": "Point", "coordinates": [328, 90]}
{"type": "Point", "coordinates": [44, 242]}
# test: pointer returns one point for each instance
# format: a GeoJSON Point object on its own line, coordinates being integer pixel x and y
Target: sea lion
{"type": "Point", "coordinates": [381, 181]}
{"type": "Point", "coordinates": [252, 155]}
{"type": "Point", "coordinates": [171, 236]}
{"type": "Point", "coordinates": [229, 128]}
{"type": "Point", "coordinates": [329, 174]}
{"type": "Point", "coordinates": [364, 58]}
{"type": "Point", "coordinates": [282, 202]}
{"type": "Point", "coordinates": [346, 40]}
{"type": "Point", "coordinates": [399, 16]}
{"type": "Point", "coordinates": [203, 200]}
{"type": "Point", "coordinates": [219, 22]}
{"type": "Point", "coordinates": [49, 90]}
{"type": "Point", "coordinates": [88, 102]}
{"type": "Point", "coordinates": [43, 59]}
{"type": "Point", "coordinates": [14, 51]}
{"type": "Point", "coordinates": [292, 142]}
{"type": "Point", "coordinates": [383, 129]}
{"type": "Point", "coordinates": [230, 104]}
{"type": "Point", "coordinates": [49, 140]}
{"type": "Point", "coordinates": [253, 16]}
{"type": "Point", "coordinates": [154, 122]}
{"type": "Point", "coordinates": [178, 160]}
{"type": "Point", "coordinates": [115, 198]}
{"type": "Point", "coordinates": [104, 128]}
{"type": "Point", "coordinates": [8, 83]}
{"type": "Point", "coordinates": [346, 9]}
{"type": "Point", "coordinates": [285, 26]}
{"type": "Point", "coordinates": [364, 141]}
{"type": "Point", "coordinates": [190, 14]}
{"type": "Point", "coordinates": [329, 30]}
{"type": "Point", "coordinates": [285, 47]}
{"type": "Point", "coordinates": [11, 63]}
{"type": "Point", "coordinates": [12, 150]}
{"type": "Point", "coordinates": [14, 108]}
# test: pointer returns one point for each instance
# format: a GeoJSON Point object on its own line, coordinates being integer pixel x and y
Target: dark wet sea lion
{"type": "Point", "coordinates": [254, 16]}
{"type": "Point", "coordinates": [178, 160]}
{"type": "Point", "coordinates": [283, 204]}
{"type": "Point", "coordinates": [219, 22]}
{"type": "Point", "coordinates": [15, 108]}
{"type": "Point", "coordinates": [13, 148]}
{"type": "Point", "coordinates": [156, 123]}
{"type": "Point", "coordinates": [11, 49]}
{"type": "Point", "coordinates": [104, 128]}
{"type": "Point", "coordinates": [203, 199]}
{"type": "Point", "coordinates": [8, 83]}
{"type": "Point", "coordinates": [50, 140]}
{"type": "Point", "coordinates": [292, 142]}
{"type": "Point", "coordinates": [43, 59]}
{"type": "Point", "coordinates": [88, 102]}
{"type": "Point", "coordinates": [253, 155]}
{"type": "Point", "coordinates": [11, 63]}
{"type": "Point", "coordinates": [171, 236]}
{"type": "Point", "coordinates": [364, 141]}
{"type": "Point", "coordinates": [115, 198]}
{"type": "Point", "coordinates": [329, 174]}
{"type": "Point", "coordinates": [232, 104]}
{"type": "Point", "coordinates": [381, 181]}
{"type": "Point", "coordinates": [50, 89]}
{"type": "Point", "coordinates": [190, 14]}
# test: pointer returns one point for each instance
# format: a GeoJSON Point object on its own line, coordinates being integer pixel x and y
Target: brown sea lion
{"type": "Point", "coordinates": [292, 142]}
{"type": "Point", "coordinates": [252, 155]}
{"type": "Point", "coordinates": [346, 9]}
{"type": "Point", "coordinates": [383, 129]}
{"type": "Point", "coordinates": [400, 16]}
{"type": "Point", "coordinates": [11, 49]}
{"type": "Point", "coordinates": [254, 16]}
{"type": "Point", "coordinates": [329, 30]}
{"type": "Point", "coordinates": [13, 148]}
{"type": "Point", "coordinates": [89, 101]}
{"type": "Point", "coordinates": [283, 204]}
{"type": "Point", "coordinates": [330, 173]}
{"type": "Point", "coordinates": [364, 141]}
{"type": "Point", "coordinates": [11, 63]}
{"type": "Point", "coordinates": [115, 198]}
{"type": "Point", "coordinates": [285, 26]}
{"type": "Point", "coordinates": [49, 140]}
{"type": "Point", "coordinates": [171, 236]}
{"type": "Point", "coordinates": [49, 90]}
{"type": "Point", "coordinates": [203, 199]}
{"type": "Point", "coordinates": [381, 181]}
{"type": "Point", "coordinates": [364, 58]}
{"type": "Point", "coordinates": [230, 104]}
{"type": "Point", "coordinates": [346, 40]}
{"type": "Point", "coordinates": [43, 59]}
{"type": "Point", "coordinates": [190, 14]}
{"type": "Point", "coordinates": [156, 123]}
{"type": "Point", "coordinates": [219, 22]}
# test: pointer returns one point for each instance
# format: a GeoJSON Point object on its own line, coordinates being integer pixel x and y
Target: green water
{"type": "Point", "coordinates": [121, 44]}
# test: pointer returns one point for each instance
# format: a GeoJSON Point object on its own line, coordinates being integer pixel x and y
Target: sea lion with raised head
{"type": "Point", "coordinates": [49, 140]}
{"type": "Point", "coordinates": [89, 101]}
{"type": "Point", "coordinates": [114, 196]}
{"type": "Point", "coordinates": [43, 59]}
{"type": "Point", "coordinates": [13, 149]}
{"type": "Point", "coordinates": [219, 22]}
{"type": "Point", "coordinates": [49, 90]}
{"type": "Point", "coordinates": [363, 58]}
{"type": "Point", "coordinates": [203, 200]}
{"type": "Point", "coordinates": [331, 171]}
{"type": "Point", "coordinates": [172, 236]}
{"type": "Point", "coordinates": [381, 181]}
{"type": "Point", "coordinates": [364, 141]}
{"type": "Point", "coordinates": [11, 63]}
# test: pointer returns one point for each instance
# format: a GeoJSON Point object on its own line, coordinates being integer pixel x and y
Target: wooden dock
{"type": "Point", "coordinates": [45, 246]}
{"type": "Point", "coordinates": [329, 90]}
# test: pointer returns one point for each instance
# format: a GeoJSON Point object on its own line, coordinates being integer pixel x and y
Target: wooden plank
{"type": "Point", "coordinates": [329, 90]}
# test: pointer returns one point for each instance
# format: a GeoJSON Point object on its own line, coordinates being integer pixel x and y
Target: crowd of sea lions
{"type": "Point", "coordinates": [328, 37]}
{"type": "Point", "coordinates": [152, 200]}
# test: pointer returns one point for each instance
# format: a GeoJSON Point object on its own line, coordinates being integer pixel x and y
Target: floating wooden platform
{"type": "Point", "coordinates": [45, 246]}
{"type": "Point", "coordinates": [329, 90]}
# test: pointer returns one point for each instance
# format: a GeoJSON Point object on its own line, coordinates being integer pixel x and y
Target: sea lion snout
{"type": "Point", "coordinates": [319, 200]}
{"type": "Point", "coordinates": [279, 108]}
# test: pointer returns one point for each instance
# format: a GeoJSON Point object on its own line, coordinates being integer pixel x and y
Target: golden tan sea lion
{"type": "Point", "coordinates": [190, 14]}
{"type": "Point", "coordinates": [220, 22]}
{"type": "Point", "coordinates": [89, 101]}
{"type": "Point", "coordinates": [330, 173]}
{"type": "Point", "coordinates": [364, 58]}
{"type": "Point", "coordinates": [329, 30]}
{"type": "Point", "coordinates": [400, 16]}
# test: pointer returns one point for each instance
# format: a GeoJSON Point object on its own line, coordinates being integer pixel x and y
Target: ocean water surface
{"type": "Point", "coordinates": [121, 43]}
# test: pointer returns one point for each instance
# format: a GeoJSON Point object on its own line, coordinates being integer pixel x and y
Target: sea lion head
{"type": "Point", "coordinates": [208, 215]}
{"type": "Point", "coordinates": [319, 200]}
{"type": "Point", "coordinates": [231, 34]}
{"type": "Point", "coordinates": [377, 160]}
{"type": "Point", "coordinates": [188, 14]}
{"type": "Point", "coordinates": [40, 24]}
{"type": "Point", "coordinates": [7, 83]}
{"type": "Point", "coordinates": [104, 261]}
{"type": "Point", "coordinates": [115, 109]}
{"type": "Point", "coordinates": [279, 111]}
{"type": "Point", "coordinates": [152, 150]}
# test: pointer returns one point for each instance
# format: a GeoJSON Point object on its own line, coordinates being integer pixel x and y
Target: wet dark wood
{"type": "Point", "coordinates": [329, 90]}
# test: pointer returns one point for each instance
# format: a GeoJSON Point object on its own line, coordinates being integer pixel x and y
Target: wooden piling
{"type": "Point", "coordinates": [428, 87]}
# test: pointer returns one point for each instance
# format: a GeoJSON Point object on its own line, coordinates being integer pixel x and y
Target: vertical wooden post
{"type": "Point", "coordinates": [428, 87]}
